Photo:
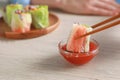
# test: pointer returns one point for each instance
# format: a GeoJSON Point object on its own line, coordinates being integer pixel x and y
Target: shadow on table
{"type": "Point", "coordinates": [2, 39]}
{"type": "Point", "coordinates": [7, 40]}
{"type": "Point", "coordinates": [53, 63]}
{"type": "Point", "coordinates": [109, 49]}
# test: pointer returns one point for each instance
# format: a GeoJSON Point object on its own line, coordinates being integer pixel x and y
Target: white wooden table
{"type": "Point", "coordinates": [39, 59]}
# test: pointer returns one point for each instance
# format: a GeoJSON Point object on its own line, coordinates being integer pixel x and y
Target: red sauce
{"type": "Point", "coordinates": [79, 58]}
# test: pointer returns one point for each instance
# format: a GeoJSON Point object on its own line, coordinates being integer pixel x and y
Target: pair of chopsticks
{"type": "Point", "coordinates": [103, 27]}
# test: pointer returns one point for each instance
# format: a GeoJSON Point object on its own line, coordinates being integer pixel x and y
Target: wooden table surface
{"type": "Point", "coordinates": [39, 59]}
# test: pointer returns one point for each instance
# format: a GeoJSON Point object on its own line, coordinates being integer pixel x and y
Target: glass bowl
{"type": "Point", "coordinates": [78, 58]}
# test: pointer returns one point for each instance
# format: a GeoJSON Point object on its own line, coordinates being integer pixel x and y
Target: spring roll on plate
{"type": "Point", "coordinates": [40, 16]}
{"type": "Point", "coordinates": [21, 21]}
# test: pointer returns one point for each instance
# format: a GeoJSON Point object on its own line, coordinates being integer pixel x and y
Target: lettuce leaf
{"type": "Point", "coordinates": [9, 10]}
{"type": "Point", "coordinates": [40, 17]}
{"type": "Point", "coordinates": [87, 41]}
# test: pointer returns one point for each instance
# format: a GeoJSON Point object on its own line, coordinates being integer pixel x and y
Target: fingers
{"type": "Point", "coordinates": [105, 7]}
{"type": "Point", "coordinates": [100, 11]}
{"type": "Point", "coordinates": [112, 3]}
{"type": "Point", "coordinates": [97, 7]}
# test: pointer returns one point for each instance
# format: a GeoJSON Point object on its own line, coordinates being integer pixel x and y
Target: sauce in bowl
{"type": "Point", "coordinates": [79, 58]}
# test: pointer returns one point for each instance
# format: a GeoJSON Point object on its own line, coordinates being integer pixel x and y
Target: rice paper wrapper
{"type": "Point", "coordinates": [21, 22]}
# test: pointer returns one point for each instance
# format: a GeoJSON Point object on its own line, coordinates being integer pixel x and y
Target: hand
{"type": "Point", "coordinates": [96, 7]}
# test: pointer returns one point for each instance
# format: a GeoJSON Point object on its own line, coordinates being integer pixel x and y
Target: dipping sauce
{"type": "Point", "coordinates": [80, 57]}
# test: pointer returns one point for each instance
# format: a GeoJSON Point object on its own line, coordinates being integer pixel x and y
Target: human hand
{"type": "Point", "coordinates": [96, 7]}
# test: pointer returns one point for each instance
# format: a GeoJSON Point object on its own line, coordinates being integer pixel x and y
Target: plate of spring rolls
{"type": "Point", "coordinates": [18, 22]}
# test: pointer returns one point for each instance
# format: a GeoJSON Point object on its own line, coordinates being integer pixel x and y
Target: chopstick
{"type": "Point", "coordinates": [104, 27]}
{"type": "Point", "coordinates": [106, 21]}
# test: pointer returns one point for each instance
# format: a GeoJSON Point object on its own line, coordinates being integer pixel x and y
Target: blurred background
{"type": "Point", "coordinates": [24, 2]}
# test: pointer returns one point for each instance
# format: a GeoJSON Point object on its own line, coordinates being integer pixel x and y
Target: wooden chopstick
{"type": "Point", "coordinates": [101, 29]}
{"type": "Point", "coordinates": [106, 21]}
{"type": "Point", "coordinates": [104, 27]}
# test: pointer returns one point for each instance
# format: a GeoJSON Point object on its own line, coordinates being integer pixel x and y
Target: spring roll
{"type": "Point", "coordinates": [21, 21]}
{"type": "Point", "coordinates": [40, 16]}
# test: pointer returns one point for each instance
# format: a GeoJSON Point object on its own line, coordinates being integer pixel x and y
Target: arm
{"type": "Point", "coordinates": [95, 7]}
{"type": "Point", "coordinates": [50, 3]}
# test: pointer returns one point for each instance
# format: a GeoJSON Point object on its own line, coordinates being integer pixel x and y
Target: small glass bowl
{"type": "Point", "coordinates": [80, 57]}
